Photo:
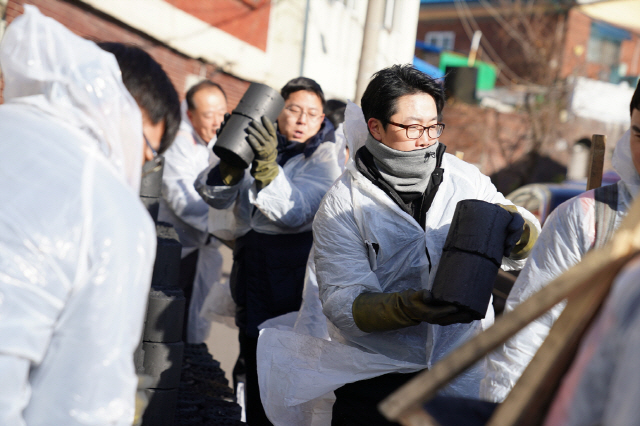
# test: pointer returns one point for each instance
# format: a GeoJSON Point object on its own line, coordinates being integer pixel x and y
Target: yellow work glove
{"type": "Point", "coordinates": [264, 142]}
{"type": "Point", "coordinates": [523, 245]}
{"type": "Point", "coordinates": [230, 175]}
{"type": "Point", "coordinates": [144, 382]}
{"type": "Point", "coordinates": [391, 311]}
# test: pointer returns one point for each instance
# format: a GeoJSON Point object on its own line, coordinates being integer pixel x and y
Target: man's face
{"type": "Point", "coordinates": [635, 139]}
{"type": "Point", "coordinates": [419, 108]}
{"type": "Point", "coordinates": [301, 116]}
{"type": "Point", "coordinates": [153, 133]}
{"type": "Point", "coordinates": [210, 106]}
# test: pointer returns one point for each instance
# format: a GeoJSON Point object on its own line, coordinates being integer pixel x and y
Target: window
{"type": "Point", "coordinates": [445, 40]}
{"type": "Point", "coordinates": [603, 51]}
{"type": "Point", "coordinates": [604, 43]}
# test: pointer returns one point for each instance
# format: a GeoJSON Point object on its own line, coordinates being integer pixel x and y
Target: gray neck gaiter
{"type": "Point", "coordinates": [407, 172]}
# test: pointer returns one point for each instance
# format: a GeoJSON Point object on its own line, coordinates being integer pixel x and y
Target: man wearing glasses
{"type": "Point", "coordinates": [272, 208]}
{"type": "Point", "coordinates": [379, 235]}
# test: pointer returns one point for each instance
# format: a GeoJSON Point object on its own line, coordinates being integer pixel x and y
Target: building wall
{"type": "Point", "coordinates": [248, 20]}
{"type": "Point", "coordinates": [333, 37]}
{"type": "Point", "coordinates": [576, 42]}
{"type": "Point", "coordinates": [575, 51]}
{"type": "Point", "coordinates": [334, 43]}
{"type": "Point", "coordinates": [175, 37]}
{"type": "Point", "coordinates": [93, 25]}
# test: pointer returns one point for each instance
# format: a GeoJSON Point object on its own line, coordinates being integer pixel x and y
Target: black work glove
{"type": "Point", "coordinates": [514, 229]}
{"type": "Point", "coordinates": [391, 311]}
{"type": "Point", "coordinates": [264, 142]}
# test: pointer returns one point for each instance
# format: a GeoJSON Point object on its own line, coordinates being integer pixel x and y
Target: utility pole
{"type": "Point", "coordinates": [372, 27]}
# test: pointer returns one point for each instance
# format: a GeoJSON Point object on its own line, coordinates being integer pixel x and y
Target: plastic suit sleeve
{"type": "Point", "coordinates": [177, 184]}
{"type": "Point", "coordinates": [292, 200]}
{"type": "Point", "coordinates": [27, 324]}
{"type": "Point", "coordinates": [562, 243]}
{"type": "Point", "coordinates": [342, 266]}
{"type": "Point", "coordinates": [220, 196]}
{"type": "Point", "coordinates": [14, 392]}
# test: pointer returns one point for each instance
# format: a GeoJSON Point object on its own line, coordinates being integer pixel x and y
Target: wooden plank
{"type": "Point", "coordinates": [417, 417]}
{"type": "Point", "coordinates": [605, 262]}
{"type": "Point", "coordinates": [596, 161]}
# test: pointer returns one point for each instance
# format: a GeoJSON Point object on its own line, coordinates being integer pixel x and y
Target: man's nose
{"type": "Point", "coordinates": [217, 121]}
{"type": "Point", "coordinates": [302, 118]}
{"type": "Point", "coordinates": [425, 141]}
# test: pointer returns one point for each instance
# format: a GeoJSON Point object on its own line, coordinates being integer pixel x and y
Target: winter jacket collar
{"type": "Point", "coordinates": [365, 164]}
{"type": "Point", "coordinates": [289, 149]}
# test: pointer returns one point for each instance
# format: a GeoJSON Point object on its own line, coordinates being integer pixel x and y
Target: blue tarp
{"type": "Point", "coordinates": [608, 31]}
{"type": "Point", "coordinates": [427, 68]}
{"type": "Point", "coordinates": [428, 47]}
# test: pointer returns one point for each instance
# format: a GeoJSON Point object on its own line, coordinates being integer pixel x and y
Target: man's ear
{"type": "Point", "coordinates": [189, 115]}
{"type": "Point", "coordinates": [375, 128]}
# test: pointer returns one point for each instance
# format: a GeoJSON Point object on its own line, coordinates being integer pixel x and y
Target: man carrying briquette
{"type": "Point", "coordinates": [379, 235]}
{"type": "Point", "coordinates": [182, 206]}
{"type": "Point", "coordinates": [78, 246]}
{"type": "Point", "coordinates": [272, 207]}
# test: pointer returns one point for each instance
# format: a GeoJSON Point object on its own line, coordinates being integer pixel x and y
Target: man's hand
{"type": "Point", "coordinates": [522, 235]}
{"type": "Point", "coordinates": [391, 311]}
{"type": "Point", "coordinates": [264, 142]}
{"type": "Point", "coordinates": [514, 229]}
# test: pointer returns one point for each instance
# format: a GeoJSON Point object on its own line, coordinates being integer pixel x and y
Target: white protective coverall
{"type": "Point", "coordinates": [301, 368]}
{"type": "Point", "coordinates": [285, 206]}
{"type": "Point", "coordinates": [77, 245]}
{"type": "Point", "coordinates": [602, 387]}
{"type": "Point", "coordinates": [568, 234]}
{"type": "Point", "coordinates": [182, 206]}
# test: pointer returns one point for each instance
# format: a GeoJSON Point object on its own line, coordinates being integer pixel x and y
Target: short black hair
{"type": "Point", "coordinates": [635, 100]}
{"type": "Point", "coordinates": [302, 83]}
{"type": "Point", "coordinates": [334, 111]}
{"type": "Point", "coordinates": [150, 87]}
{"type": "Point", "coordinates": [204, 84]}
{"type": "Point", "coordinates": [389, 84]}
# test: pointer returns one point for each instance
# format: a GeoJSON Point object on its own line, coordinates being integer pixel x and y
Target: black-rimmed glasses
{"type": "Point", "coordinates": [415, 131]}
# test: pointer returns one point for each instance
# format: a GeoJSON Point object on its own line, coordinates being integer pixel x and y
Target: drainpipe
{"type": "Point", "coordinates": [304, 37]}
{"type": "Point", "coordinates": [372, 27]}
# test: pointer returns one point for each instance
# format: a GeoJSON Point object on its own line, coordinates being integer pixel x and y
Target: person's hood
{"type": "Point", "coordinates": [623, 164]}
{"type": "Point", "coordinates": [71, 79]}
{"type": "Point", "coordinates": [354, 128]}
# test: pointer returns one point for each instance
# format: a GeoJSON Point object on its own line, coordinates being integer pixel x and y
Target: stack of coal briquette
{"type": "Point", "coordinates": [204, 397]}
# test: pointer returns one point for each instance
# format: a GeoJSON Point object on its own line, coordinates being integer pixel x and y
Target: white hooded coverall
{"type": "Point", "coordinates": [353, 215]}
{"type": "Point", "coordinates": [568, 234]}
{"type": "Point", "coordinates": [77, 245]}
{"type": "Point", "coordinates": [182, 206]}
